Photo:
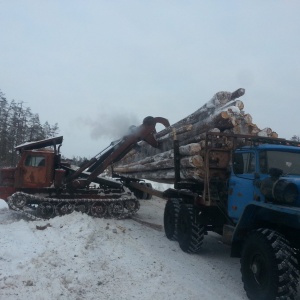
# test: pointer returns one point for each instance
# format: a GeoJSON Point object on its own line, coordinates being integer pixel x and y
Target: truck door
{"type": "Point", "coordinates": [241, 183]}
{"type": "Point", "coordinates": [33, 170]}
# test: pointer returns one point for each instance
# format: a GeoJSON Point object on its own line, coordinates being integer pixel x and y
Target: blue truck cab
{"type": "Point", "coordinates": [251, 196]}
{"type": "Point", "coordinates": [264, 190]}
{"type": "Point", "coordinates": [266, 174]}
{"type": "Point", "coordinates": [264, 204]}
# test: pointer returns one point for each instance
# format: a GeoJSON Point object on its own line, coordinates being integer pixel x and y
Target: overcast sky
{"type": "Point", "coordinates": [97, 67]}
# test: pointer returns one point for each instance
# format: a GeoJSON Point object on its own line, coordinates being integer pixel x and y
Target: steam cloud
{"type": "Point", "coordinates": [110, 125]}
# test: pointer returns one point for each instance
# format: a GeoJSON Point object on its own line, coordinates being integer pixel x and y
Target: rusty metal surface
{"type": "Point", "coordinates": [7, 181]}
{"type": "Point", "coordinates": [35, 176]}
{"type": "Point", "coordinates": [6, 191]}
{"type": "Point", "coordinates": [40, 144]}
{"type": "Point", "coordinates": [144, 132]}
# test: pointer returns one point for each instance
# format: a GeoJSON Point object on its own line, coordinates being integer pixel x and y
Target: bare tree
{"type": "Point", "coordinates": [18, 125]}
{"type": "Point", "coordinates": [295, 138]}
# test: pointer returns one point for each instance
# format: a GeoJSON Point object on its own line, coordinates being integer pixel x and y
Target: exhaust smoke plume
{"type": "Point", "coordinates": [110, 125]}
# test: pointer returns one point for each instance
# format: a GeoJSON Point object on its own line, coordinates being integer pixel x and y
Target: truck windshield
{"type": "Point", "coordinates": [35, 161]}
{"type": "Point", "coordinates": [288, 162]}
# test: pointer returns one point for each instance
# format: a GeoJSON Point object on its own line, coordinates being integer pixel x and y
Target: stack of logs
{"type": "Point", "coordinates": [223, 113]}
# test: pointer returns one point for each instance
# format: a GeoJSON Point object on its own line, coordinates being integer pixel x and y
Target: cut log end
{"type": "Point", "coordinates": [238, 93]}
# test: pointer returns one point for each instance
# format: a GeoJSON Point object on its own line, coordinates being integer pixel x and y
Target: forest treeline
{"type": "Point", "coordinates": [18, 124]}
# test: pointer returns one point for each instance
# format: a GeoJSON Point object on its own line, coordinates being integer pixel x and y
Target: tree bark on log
{"type": "Point", "coordinates": [187, 149]}
{"type": "Point", "coordinates": [167, 176]}
{"type": "Point", "coordinates": [223, 113]}
{"type": "Point", "coordinates": [195, 161]}
{"type": "Point", "coordinates": [236, 105]}
{"type": "Point", "coordinates": [222, 119]}
{"type": "Point", "coordinates": [217, 101]}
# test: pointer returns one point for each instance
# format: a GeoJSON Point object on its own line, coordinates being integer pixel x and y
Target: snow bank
{"type": "Point", "coordinates": [3, 204]}
{"type": "Point", "coordinates": [80, 257]}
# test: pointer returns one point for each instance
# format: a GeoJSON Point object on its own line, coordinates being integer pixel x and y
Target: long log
{"type": "Point", "coordinates": [195, 161]}
{"type": "Point", "coordinates": [217, 101]}
{"type": "Point", "coordinates": [223, 113]}
{"type": "Point", "coordinates": [213, 115]}
{"type": "Point", "coordinates": [231, 107]}
{"type": "Point", "coordinates": [168, 175]}
{"type": "Point", "coordinates": [187, 149]}
{"type": "Point", "coordinates": [222, 120]}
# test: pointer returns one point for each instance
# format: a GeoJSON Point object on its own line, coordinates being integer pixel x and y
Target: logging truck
{"type": "Point", "coordinates": [249, 194]}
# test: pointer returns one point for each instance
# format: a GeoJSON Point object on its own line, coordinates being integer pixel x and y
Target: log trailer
{"type": "Point", "coordinates": [43, 185]}
{"type": "Point", "coordinates": [250, 194]}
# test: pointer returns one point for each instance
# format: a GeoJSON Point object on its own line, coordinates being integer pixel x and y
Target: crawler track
{"type": "Point", "coordinates": [37, 207]}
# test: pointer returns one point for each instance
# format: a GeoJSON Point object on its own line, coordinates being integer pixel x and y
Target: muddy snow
{"type": "Point", "coordinates": [80, 257]}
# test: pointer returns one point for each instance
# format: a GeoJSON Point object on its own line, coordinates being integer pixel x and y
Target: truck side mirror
{"type": "Point", "coordinates": [275, 172]}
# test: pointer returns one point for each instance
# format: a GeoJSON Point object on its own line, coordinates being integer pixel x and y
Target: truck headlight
{"type": "Point", "coordinates": [285, 191]}
{"type": "Point", "coordinates": [280, 190]}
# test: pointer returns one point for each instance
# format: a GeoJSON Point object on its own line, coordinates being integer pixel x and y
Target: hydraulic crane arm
{"type": "Point", "coordinates": [117, 150]}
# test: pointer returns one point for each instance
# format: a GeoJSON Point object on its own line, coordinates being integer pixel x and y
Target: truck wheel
{"type": "Point", "coordinates": [190, 232]}
{"type": "Point", "coordinates": [144, 195]}
{"type": "Point", "coordinates": [269, 266]}
{"type": "Point", "coordinates": [149, 196]}
{"type": "Point", "coordinates": [46, 210]}
{"type": "Point", "coordinates": [139, 194]}
{"type": "Point", "coordinates": [171, 218]}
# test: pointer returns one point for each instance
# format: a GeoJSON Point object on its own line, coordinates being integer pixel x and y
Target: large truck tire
{"type": "Point", "coordinates": [149, 196]}
{"type": "Point", "coordinates": [144, 195]}
{"type": "Point", "coordinates": [269, 266]}
{"type": "Point", "coordinates": [137, 193]}
{"type": "Point", "coordinates": [190, 232]}
{"type": "Point", "coordinates": [171, 218]}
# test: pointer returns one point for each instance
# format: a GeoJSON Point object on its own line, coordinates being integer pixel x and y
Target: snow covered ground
{"type": "Point", "coordinates": [80, 257]}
